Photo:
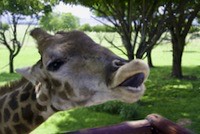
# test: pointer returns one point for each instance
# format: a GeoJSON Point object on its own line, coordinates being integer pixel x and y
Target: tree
{"type": "Point", "coordinates": [102, 28]}
{"type": "Point", "coordinates": [70, 22]}
{"type": "Point", "coordinates": [14, 12]}
{"type": "Point", "coordinates": [55, 22]}
{"type": "Point", "coordinates": [85, 27]}
{"type": "Point", "coordinates": [131, 19]}
{"type": "Point", "coordinates": [181, 14]}
{"type": "Point", "coordinates": [151, 26]}
{"type": "Point", "coordinates": [141, 23]}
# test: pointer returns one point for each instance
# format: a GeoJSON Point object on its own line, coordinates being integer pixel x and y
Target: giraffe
{"type": "Point", "coordinates": [73, 71]}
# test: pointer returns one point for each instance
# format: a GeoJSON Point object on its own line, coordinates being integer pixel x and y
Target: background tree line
{"type": "Point", "coordinates": [66, 21]}
{"type": "Point", "coordinates": [141, 24]}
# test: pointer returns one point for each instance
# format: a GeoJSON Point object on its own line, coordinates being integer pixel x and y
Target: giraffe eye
{"type": "Point", "coordinates": [55, 65]}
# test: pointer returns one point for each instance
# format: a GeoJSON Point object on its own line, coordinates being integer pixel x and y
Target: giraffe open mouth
{"type": "Point", "coordinates": [134, 83]}
{"type": "Point", "coordinates": [131, 77]}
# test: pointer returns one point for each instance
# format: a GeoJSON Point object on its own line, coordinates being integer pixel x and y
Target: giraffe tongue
{"type": "Point", "coordinates": [134, 81]}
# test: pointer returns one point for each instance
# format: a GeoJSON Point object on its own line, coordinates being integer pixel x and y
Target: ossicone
{"type": "Point", "coordinates": [41, 37]}
{"type": "Point", "coordinates": [39, 34]}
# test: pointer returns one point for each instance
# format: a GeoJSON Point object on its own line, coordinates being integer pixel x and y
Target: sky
{"type": "Point", "coordinates": [81, 12]}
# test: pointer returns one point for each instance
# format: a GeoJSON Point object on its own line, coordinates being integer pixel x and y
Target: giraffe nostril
{"type": "Point", "coordinates": [118, 63]}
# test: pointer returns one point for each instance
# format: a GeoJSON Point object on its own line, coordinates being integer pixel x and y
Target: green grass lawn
{"type": "Point", "coordinates": [175, 99]}
{"type": "Point", "coordinates": [76, 119]}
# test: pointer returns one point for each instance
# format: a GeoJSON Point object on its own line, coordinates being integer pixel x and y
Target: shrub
{"type": "Point", "coordinates": [4, 27]}
{"type": "Point", "coordinates": [102, 28]}
{"type": "Point", "coordinates": [85, 27]}
{"type": "Point", "coordinates": [56, 22]}
{"type": "Point", "coordinates": [124, 110]}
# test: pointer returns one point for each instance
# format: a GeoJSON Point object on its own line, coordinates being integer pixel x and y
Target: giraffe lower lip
{"type": "Point", "coordinates": [133, 90]}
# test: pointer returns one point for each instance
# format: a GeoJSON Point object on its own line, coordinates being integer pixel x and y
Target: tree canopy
{"type": "Point", "coordinates": [55, 22]}
{"type": "Point", "coordinates": [26, 7]}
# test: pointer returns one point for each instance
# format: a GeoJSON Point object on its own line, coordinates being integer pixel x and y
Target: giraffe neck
{"type": "Point", "coordinates": [21, 112]}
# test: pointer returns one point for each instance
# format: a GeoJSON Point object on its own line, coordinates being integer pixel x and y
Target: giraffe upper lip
{"type": "Point", "coordinates": [134, 81]}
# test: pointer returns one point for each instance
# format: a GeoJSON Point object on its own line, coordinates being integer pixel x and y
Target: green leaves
{"type": "Point", "coordinates": [26, 7]}
{"type": "Point", "coordinates": [4, 27]}
{"type": "Point", "coordinates": [55, 22]}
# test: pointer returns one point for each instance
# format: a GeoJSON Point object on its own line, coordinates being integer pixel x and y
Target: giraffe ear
{"type": "Point", "coordinates": [26, 73]}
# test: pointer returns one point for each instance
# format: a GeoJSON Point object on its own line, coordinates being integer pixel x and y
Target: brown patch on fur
{"type": "Point", "coordinates": [24, 96]}
{"type": "Point", "coordinates": [8, 130]}
{"type": "Point", "coordinates": [15, 117]}
{"type": "Point", "coordinates": [43, 97]}
{"type": "Point", "coordinates": [33, 95]}
{"type": "Point", "coordinates": [69, 90]}
{"type": "Point", "coordinates": [0, 117]}
{"type": "Point", "coordinates": [56, 83]}
{"type": "Point", "coordinates": [39, 119]}
{"type": "Point", "coordinates": [41, 108]}
{"type": "Point", "coordinates": [6, 115]}
{"type": "Point", "coordinates": [13, 102]}
{"type": "Point", "coordinates": [27, 114]}
{"type": "Point", "coordinates": [2, 101]}
{"type": "Point", "coordinates": [21, 128]}
{"type": "Point", "coordinates": [47, 83]}
{"type": "Point", "coordinates": [63, 95]}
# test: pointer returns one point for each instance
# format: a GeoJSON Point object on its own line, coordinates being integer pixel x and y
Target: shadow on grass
{"type": "Point", "coordinates": [74, 120]}
{"type": "Point", "coordinates": [88, 119]}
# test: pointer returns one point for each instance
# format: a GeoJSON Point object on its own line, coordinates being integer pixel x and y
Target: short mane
{"type": "Point", "coordinates": [12, 86]}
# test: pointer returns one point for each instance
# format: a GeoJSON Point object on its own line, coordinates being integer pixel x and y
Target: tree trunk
{"type": "Point", "coordinates": [129, 48]}
{"type": "Point", "coordinates": [130, 54]}
{"type": "Point", "coordinates": [149, 59]}
{"type": "Point", "coordinates": [139, 53]}
{"type": "Point", "coordinates": [11, 63]}
{"type": "Point", "coordinates": [178, 47]}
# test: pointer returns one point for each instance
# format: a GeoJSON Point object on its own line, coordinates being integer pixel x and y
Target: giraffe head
{"type": "Point", "coordinates": [75, 71]}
